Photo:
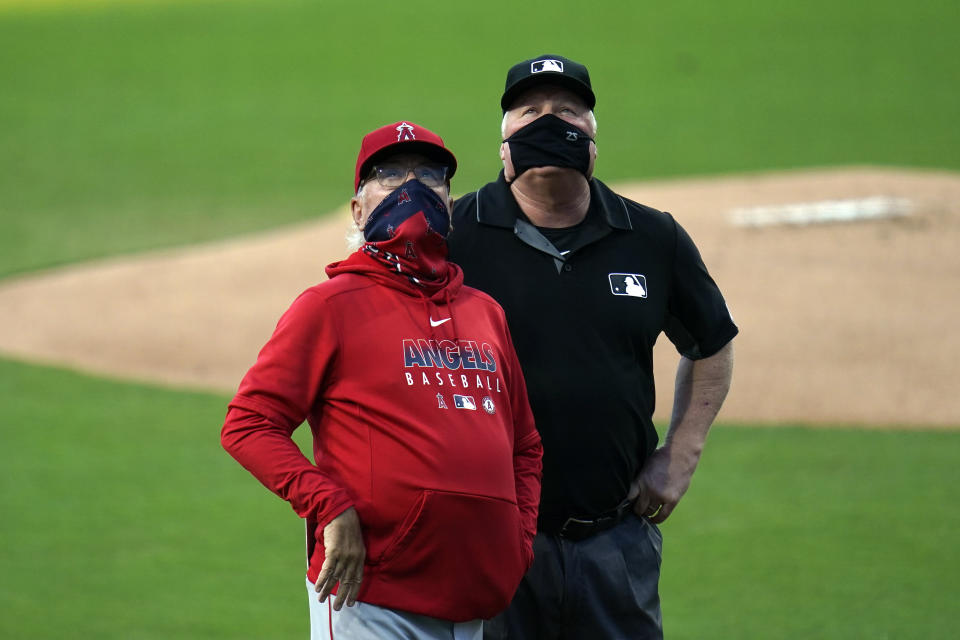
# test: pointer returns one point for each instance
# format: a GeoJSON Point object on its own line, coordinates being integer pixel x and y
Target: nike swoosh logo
{"type": "Point", "coordinates": [437, 323]}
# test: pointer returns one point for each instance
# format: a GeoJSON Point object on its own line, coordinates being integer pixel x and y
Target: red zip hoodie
{"type": "Point", "coordinates": [420, 421]}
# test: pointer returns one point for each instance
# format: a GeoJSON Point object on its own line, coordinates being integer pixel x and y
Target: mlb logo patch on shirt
{"type": "Point", "coordinates": [628, 284]}
{"type": "Point", "coordinates": [464, 402]}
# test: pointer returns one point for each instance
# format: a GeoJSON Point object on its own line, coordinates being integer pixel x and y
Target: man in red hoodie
{"type": "Point", "coordinates": [422, 500]}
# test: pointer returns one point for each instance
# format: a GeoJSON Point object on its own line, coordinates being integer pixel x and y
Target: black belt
{"type": "Point", "coordinates": [577, 529]}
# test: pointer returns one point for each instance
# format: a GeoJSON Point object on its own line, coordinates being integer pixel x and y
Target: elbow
{"type": "Point", "coordinates": [719, 366]}
{"type": "Point", "coordinates": [238, 424]}
{"type": "Point", "coordinates": [228, 438]}
{"type": "Point", "coordinates": [225, 440]}
{"type": "Point", "coordinates": [726, 364]}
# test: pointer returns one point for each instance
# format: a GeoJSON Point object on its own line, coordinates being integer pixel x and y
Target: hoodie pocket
{"type": "Point", "coordinates": [448, 540]}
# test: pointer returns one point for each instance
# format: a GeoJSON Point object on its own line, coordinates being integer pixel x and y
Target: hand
{"type": "Point", "coordinates": [662, 482]}
{"type": "Point", "coordinates": [700, 390]}
{"type": "Point", "coordinates": [345, 555]}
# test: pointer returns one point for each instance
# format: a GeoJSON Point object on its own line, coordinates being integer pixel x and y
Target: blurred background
{"type": "Point", "coordinates": [128, 126]}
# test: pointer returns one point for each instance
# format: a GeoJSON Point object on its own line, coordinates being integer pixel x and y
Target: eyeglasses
{"type": "Point", "coordinates": [393, 175]}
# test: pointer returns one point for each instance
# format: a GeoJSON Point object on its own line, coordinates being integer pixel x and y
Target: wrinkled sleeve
{"type": "Point", "coordinates": [275, 397]}
{"type": "Point", "coordinates": [698, 322]}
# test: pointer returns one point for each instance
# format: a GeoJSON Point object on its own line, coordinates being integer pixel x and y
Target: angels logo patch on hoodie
{"type": "Point", "coordinates": [488, 405]}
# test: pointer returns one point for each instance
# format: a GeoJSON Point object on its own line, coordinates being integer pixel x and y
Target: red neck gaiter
{"type": "Point", "coordinates": [408, 233]}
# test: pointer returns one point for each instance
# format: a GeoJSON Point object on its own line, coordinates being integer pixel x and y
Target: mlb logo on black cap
{"type": "Point", "coordinates": [551, 69]}
{"type": "Point", "coordinates": [546, 65]}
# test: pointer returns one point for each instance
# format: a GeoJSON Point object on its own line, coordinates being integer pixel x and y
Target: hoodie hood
{"type": "Point", "coordinates": [431, 294]}
{"type": "Point", "coordinates": [441, 290]}
{"type": "Point", "coordinates": [406, 250]}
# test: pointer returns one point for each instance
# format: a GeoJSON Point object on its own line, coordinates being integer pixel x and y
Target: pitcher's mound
{"type": "Point", "coordinates": [847, 309]}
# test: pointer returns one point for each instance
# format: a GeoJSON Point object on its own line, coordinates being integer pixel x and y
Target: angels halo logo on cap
{"type": "Point", "coordinates": [546, 65]}
{"type": "Point", "coordinates": [405, 132]}
{"type": "Point", "coordinates": [401, 137]}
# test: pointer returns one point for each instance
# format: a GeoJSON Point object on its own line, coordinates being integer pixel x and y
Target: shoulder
{"type": "Point", "coordinates": [481, 311]}
{"type": "Point", "coordinates": [464, 203]}
{"type": "Point", "coordinates": [465, 209]}
{"type": "Point", "coordinates": [477, 297]}
{"type": "Point", "coordinates": [479, 219]}
{"type": "Point", "coordinates": [634, 214]}
{"type": "Point", "coordinates": [492, 204]}
{"type": "Point", "coordinates": [330, 292]}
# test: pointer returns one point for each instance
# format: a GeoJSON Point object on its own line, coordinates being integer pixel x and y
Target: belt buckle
{"type": "Point", "coordinates": [569, 529]}
{"type": "Point", "coordinates": [605, 522]}
{"type": "Point", "coordinates": [587, 528]}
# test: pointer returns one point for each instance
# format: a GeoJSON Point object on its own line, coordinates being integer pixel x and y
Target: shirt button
{"type": "Point", "coordinates": [568, 267]}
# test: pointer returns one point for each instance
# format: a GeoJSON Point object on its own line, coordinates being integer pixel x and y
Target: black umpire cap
{"type": "Point", "coordinates": [547, 69]}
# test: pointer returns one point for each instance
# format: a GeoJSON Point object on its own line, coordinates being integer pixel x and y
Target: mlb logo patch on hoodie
{"type": "Point", "coordinates": [464, 402]}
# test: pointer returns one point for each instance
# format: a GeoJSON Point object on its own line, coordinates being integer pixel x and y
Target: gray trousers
{"type": "Point", "coordinates": [604, 587]}
{"type": "Point", "coordinates": [365, 621]}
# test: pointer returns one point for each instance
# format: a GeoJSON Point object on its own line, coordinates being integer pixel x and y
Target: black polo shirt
{"type": "Point", "coordinates": [584, 321]}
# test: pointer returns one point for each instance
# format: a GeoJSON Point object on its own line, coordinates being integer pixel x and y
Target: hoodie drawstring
{"type": "Point", "coordinates": [453, 321]}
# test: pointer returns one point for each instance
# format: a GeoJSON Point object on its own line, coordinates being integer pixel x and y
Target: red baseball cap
{"type": "Point", "coordinates": [401, 137]}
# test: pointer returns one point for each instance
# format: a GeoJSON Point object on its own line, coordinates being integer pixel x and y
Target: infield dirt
{"type": "Point", "coordinates": [850, 323]}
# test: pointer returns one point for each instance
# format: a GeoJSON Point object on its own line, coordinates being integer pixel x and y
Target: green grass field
{"type": "Point", "coordinates": [128, 126]}
{"type": "Point", "coordinates": [125, 519]}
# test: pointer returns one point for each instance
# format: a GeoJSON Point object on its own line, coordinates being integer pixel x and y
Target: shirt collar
{"type": "Point", "coordinates": [497, 207]}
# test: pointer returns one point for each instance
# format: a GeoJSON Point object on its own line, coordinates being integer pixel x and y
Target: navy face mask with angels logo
{"type": "Point", "coordinates": [408, 232]}
{"type": "Point", "coordinates": [406, 201]}
{"type": "Point", "coordinates": [550, 141]}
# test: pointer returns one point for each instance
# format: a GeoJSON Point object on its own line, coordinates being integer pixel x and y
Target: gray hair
{"type": "Point", "coordinates": [354, 236]}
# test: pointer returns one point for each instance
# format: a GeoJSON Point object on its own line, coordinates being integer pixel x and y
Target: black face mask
{"type": "Point", "coordinates": [550, 141]}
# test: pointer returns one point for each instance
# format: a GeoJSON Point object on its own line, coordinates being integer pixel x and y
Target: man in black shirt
{"type": "Point", "coordinates": [589, 280]}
